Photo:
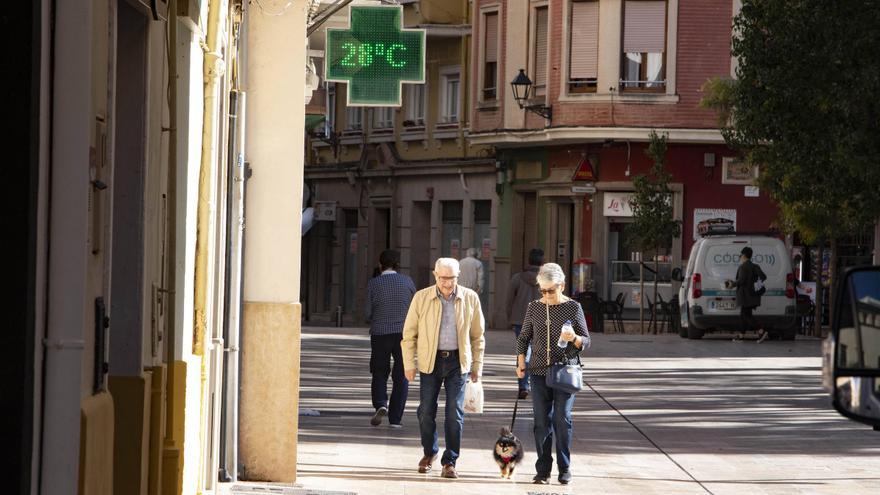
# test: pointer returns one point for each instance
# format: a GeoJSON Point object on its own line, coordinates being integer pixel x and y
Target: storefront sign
{"type": "Point", "coordinates": [737, 171]}
{"type": "Point", "coordinates": [455, 248]}
{"type": "Point", "coordinates": [752, 191]}
{"type": "Point", "coordinates": [325, 211]}
{"type": "Point", "coordinates": [587, 189]}
{"type": "Point", "coordinates": [713, 216]}
{"type": "Point", "coordinates": [375, 55]}
{"type": "Point", "coordinates": [617, 205]}
{"type": "Point", "coordinates": [353, 243]}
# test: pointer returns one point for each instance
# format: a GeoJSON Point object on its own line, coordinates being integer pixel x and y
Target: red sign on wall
{"type": "Point", "coordinates": [584, 171]}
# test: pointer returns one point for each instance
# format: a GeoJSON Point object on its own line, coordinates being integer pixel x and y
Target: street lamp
{"type": "Point", "coordinates": [522, 86]}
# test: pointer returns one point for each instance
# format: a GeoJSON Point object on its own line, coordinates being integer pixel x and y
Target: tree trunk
{"type": "Point", "coordinates": [654, 312]}
{"type": "Point", "coordinates": [817, 325]}
{"type": "Point", "coordinates": [641, 295]}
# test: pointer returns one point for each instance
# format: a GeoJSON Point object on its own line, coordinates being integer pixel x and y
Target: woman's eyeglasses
{"type": "Point", "coordinates": [549, 291]}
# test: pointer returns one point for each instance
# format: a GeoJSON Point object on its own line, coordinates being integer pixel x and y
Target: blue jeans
{"type": "Point", "coordinates": [524, 381]}
{"type": "Point", "coordinates": [552, 415]}
{"type": "Point", "coordinates": [382, 349]}
{"type": "Point", "coordinates": [447, 373]}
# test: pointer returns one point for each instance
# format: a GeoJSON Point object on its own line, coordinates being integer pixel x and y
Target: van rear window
{"type": "Point", "coordinates": [723, 260]}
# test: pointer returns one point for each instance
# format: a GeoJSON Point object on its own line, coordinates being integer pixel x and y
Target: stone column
{"type": "Point", "coordinates": [275, 83]}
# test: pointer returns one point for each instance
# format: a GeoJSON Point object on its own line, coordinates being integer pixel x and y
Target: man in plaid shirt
{"type": "Point", "coordinates": [387, 302]}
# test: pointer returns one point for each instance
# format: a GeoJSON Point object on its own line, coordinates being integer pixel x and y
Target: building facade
{"type": "Point", "coordinates": [125, 367]}
{"type": "Point", "coordinates": [608, 72]}
{"type": "Point", "coordinates": [405, 178]}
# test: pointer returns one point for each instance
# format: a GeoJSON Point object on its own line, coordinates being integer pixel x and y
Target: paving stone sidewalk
{"type": "Point", "coordinates": [663, 415]}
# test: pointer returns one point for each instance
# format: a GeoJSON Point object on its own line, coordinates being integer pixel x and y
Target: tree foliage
{"type": "Point", "coordinates": [805, 109]}
{"type": "Point", "coordinates": [654, 225]}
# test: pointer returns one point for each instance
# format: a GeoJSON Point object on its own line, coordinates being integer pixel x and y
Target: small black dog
{"type": "Point", "coordinates": [508, 452]}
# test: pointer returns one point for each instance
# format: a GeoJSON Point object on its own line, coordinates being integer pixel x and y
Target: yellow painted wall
{"type": "Point", "coordinates": [172, 460]}
{"type": "Point", "coordinates": [131, 399]}
{"type": "Point", "coordinates": [96, 445]}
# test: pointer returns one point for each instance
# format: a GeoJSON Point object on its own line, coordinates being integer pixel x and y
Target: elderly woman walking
{"type": "Point", "coordinates": [544, 320]}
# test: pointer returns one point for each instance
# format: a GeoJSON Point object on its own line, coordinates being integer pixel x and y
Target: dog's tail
{"type": "Point", "coordinates": [505, 432]}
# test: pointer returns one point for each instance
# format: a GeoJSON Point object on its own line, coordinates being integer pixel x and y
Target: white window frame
{"type": "Point", "coordinates": [383, 119]}
{"type": "Point", "coordinates": [350, 120]}
{"type": "Point", "coordinates": [481, 55]}
{"type": "Point", "coordinates": [445, 73]}
{"type": "Point", "coordinates": [566, 83]}
{"type": "Point", "coordinates": [610, 52]}
{"type": "Point", "coordinates": [533, 49]}
{"type": "Point", "coordinates": [418, 118]}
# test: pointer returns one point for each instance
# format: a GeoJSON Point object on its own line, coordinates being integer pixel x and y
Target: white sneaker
{"type": "Point", "coordinates": [762, 336]}
{"type": "Point", "coordinates": [395, 425]}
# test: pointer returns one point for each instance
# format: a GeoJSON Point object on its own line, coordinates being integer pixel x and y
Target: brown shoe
{"type": "Point", "coordinates": [449, 472]}
{"type": "Point", "coordinates": [425, 463]}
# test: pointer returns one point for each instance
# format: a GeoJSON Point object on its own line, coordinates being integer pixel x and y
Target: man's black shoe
{"type": "Point", "coordinates": [541, 479]}
{"type": "Point", "coordinates": [565, 478]}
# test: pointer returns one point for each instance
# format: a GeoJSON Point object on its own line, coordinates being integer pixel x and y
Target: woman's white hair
{"type": "Point", "coordinates": [450, 263]}
{"type": "Point", "coordinates": [551, 273]}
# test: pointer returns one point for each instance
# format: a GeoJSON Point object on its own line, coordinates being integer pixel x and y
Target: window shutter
{"type": "Point", "coordinates": [584, 46]}
{"type": "Point", "coordinates": [491, 38]}
{"type": "Point", "coordinates": [541, 47]}
{"type": "Point", "coordinates": [645, 27]}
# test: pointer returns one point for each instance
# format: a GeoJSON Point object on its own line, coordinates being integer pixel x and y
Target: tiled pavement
{"type": "Point", "coordinates": [681, 417]}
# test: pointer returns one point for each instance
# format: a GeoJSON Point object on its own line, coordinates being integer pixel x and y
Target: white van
{"type": "Point", "coordinates": [706, 305]}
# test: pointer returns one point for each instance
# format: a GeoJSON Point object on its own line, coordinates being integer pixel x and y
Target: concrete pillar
{"type": "Point", "coordinates": [276, 61]}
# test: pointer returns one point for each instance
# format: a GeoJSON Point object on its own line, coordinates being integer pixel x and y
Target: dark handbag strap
{"type": "Point", "coordinates": [578, 355]}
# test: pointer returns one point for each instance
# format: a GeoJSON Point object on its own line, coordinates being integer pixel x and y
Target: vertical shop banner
{"type": "Point", "coordinates": [486, 249]}
{"type": "Point", "coordinates": [714, 219]}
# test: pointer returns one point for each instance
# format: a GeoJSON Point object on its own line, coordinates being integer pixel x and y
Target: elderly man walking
{"type": "Point", "coordinates": [443, 338]}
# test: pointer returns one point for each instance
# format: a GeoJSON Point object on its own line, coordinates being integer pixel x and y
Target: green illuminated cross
{"type": "Point", "coordinates": [375, 55]}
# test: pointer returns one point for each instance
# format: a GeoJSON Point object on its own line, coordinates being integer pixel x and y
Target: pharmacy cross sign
{"type": "Point", "coordinates": [375, 56]}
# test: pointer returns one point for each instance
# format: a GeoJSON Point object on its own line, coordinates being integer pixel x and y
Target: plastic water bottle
{"type": "Point", "coordinates": [566, 328]}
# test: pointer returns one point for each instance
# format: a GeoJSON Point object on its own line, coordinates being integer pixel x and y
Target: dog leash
{"type": "Point", "coordinates": [515, 407]}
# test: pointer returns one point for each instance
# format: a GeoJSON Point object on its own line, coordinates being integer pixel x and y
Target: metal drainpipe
{"type": "Point", "coordinates": [213, 70]}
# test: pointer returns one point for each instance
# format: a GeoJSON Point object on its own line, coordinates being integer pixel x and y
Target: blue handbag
{"type": "Point", "coordinates": [568, 378]}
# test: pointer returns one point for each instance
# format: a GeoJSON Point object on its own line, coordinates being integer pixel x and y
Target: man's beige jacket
{"type": "Point", "coordinates": [421, 330]}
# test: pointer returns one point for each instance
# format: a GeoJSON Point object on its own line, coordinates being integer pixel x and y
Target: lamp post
{"type": "Point", "coordinates": [522, 87]}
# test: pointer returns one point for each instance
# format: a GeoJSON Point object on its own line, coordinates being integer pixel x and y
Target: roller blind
{"type": "Point", "coordinates": [491, 39]}
{"type": "Point", "coordinates": [541, 47]}
{"type": "Point", "coordinates": [584, 46]}
{"type": "Point", "coordinates": [644, 26]}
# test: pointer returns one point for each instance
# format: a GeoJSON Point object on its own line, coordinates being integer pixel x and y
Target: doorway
{"type": "Point", "coordinates": [420, 251]}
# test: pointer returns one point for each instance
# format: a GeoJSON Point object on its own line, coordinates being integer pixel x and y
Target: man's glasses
{"type": "Point", "coordinates": [447, 279]}
{"type": "Point", "coordinates": [549, 291]}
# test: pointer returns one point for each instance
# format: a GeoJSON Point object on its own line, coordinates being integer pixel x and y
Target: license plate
{"type": "Point", "coordinates": [725, 305]}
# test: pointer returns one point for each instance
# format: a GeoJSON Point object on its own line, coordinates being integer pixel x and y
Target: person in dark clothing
{"type": "Point", "coordinates": [387, 302]}
{"type": "Point", "coordinates": [524, 289]}
{"type": "Point", "coordinates": [747, 299]}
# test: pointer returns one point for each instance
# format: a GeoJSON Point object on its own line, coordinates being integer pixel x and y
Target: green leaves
{"type": "Point", "coordinates": [805, 109]}
{"type": "Point", "coordinates": [654, 225]}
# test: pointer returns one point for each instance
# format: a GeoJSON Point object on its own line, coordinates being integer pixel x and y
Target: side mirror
{"type": "Point", "coordinates": [677, 275]}
{"type": "Point", "coordinates": [851, 361]}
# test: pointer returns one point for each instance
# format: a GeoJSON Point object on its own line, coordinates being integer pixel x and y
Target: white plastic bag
{"type": "Point", "coordinates": [473, 397]}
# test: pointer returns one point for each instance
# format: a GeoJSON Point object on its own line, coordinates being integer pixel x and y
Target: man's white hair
{"type": "Point", "coordinates": [450, 263]}
{"type": "Point", "coordinates": [551, 273]}
{"type": "Point", "coordinates": [471, 252]}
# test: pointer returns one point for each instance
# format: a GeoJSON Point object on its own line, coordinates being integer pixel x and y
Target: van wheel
{"type": "Point", "coordinates": [683, 332]}
{"type": "Point", "coordinates": [694, 332]}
